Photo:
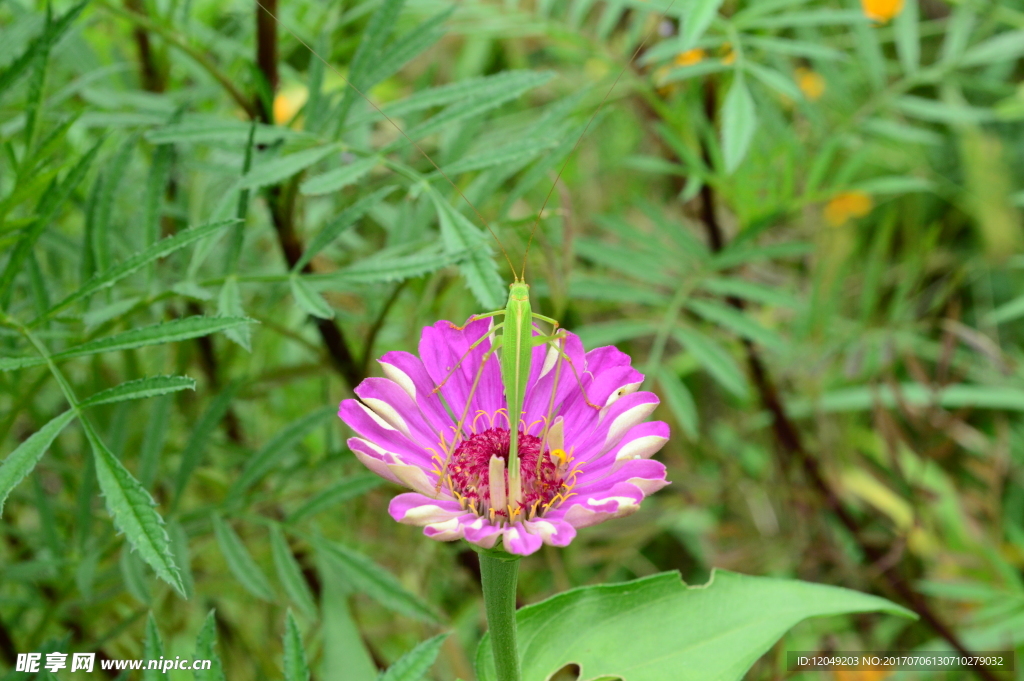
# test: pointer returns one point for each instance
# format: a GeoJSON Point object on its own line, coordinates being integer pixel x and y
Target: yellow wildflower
{"type": "Point", "coordinates": [287, 103]}
{"type": "Point", "coordinates": [690, 57]}
{"type": "Point", "coordinates": [846, 206]}
{"type": "Point", "coordinates": [810, 83]}
{"type": "Point", "coordinates": [881, 10]}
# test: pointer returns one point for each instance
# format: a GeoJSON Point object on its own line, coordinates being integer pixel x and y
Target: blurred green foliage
{"type": "Point", "coordinates": [804, 225]}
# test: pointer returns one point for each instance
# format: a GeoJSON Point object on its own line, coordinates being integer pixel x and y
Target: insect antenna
{"type": "Point", "coordinates": [402, 132]}
{"type": "Point", "coordinates": [604, 100]}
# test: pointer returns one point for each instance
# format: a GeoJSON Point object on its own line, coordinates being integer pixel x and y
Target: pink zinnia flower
{"type": "Point", "coordinates": [597, 468]}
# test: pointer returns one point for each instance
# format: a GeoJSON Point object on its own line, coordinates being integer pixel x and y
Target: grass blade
{"type": "Point", "coordinates": [139, 389]}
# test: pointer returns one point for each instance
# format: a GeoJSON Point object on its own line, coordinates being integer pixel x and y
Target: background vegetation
{"type": "Point", "coordinates": [800, 217]}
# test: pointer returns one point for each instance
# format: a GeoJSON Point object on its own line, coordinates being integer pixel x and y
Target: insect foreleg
{"type": "Point", "coordinates": [543, 340]}
{"type": "Point", "coordinates": [476, 317]}
{"type": "Point", "coordinates": [465, 413]}
{"type": "Point", "coordinates": [473, 346]}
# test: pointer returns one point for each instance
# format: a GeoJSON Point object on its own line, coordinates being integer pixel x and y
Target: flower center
{"type": "Point", "coordinates": [471, 475]}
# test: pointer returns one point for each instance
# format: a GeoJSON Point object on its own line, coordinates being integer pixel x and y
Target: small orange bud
{"type": "Point", "coordinates": [810, 83]}
{"type": "Point", "coordinates": [287, 103]}
{"type": "Point", "coordinates": [881, 10]}
{"type": "Point", "coordinates": [728, 54]}
{"type": "Point", "coordinates": [846, 206]}
{"type": "Point", "coordinates": [690, 57]}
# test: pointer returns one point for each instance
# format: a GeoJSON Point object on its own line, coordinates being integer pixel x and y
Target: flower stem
{"type": "Point", "coordinates": [498, 574]}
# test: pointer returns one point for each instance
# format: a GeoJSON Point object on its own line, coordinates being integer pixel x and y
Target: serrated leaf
{"type": "Point", "coordinates": [739, 120]}
{"type": "Point", "coordinates": [133, 512]}
{"type": "Point", "coordinates": [239, 561]}
{"type": "Point", "coordinates": [657, 628]}
{"type": "Point", "coordinates": [479, 269]}
{"type": "Point", "coordinates": [715, 359]}
{"type": "Point", "coordinates": [340, 492]}
{"type": "Point", "coordinates": [289, 573]}
{"type": "Point", "coordinates": [205, 642]}
{"type": "Point", "coordinates": [308, 299]}
{"type": "Point", "coordinates": [161, 249]}
{"type": "Point", "coordinates": [376, 582]}
{"type": "Point", "coordinates": [276, 170]}
{"type": "Point", "coordinates": [263, 461]}
{"type": "Point", "coordinates": [24, 458]}
{"type": "Point", "coordinates": [139, 389]}
{"type": "Point", "coordinates": [680, 401]}
{"type": "Point", "coordinates": [153, 649]}
{"type": "Point", "coordinates": [699, 15]}
{"type": "Point", "coordinates": [339, 178]}
{"type": "Point", "coordinates": [295, 666]}
{"type": "Point", "coordinates": [229, 304]}
{"type": "Point", "coordinates": [417, 662]}
{"type": "Point", "coordinates": [340, 223]}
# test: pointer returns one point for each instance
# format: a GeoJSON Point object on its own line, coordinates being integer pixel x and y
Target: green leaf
{"type": "Point", "coordinates": [51, 35]}
{"type": "Point", "coordinates": [308, 299]}
{"type": "Point", "coordinates": [368, 55]}
{"type": "Point", "coordinates": [209, 129]}
{"type": "Point", "coordinates": [339, 178]}
{"type": "Point", "coordinates": [241, 564]}
{"type": "Point", "coordinates": [460, 235]}
{"type": "Point", "coordinates": [749, 291]}
{"type": "Point", "coordinates": [699, 15]}
{"type": "Point", "coordinates": [133, 511]}
{"type": "Point", "coordinates": [289, 573]}
{"type": "Point", "coordinates": [1007, 312]}
{"type": "Point", "coordinates": [741, 254]}
{"type": "Point", "coordinates": [160, 249]}
{"type": "Point", "coordinates": [273, 171]}
{"type": "Point", "coordinates": [794, 48]}
{"type": "Point", "coordinates": [417, 662]}
{"type": "Point", "coordinates": [715, 359]}
{"type": "Point", "coordinates": [1003, 47]}
{"type": "Point", "coordinates": [383, 268]}
{"type": "Point", "coordinates": [610, 333]}
{"type": "Point", "coordinates": [908, 40]}
{"type": "Point", "coordinates": [404, 49]}
{"type": "Point", "coordinates": [940, 112]}
{"type": "Point", "coordinates": [263, 461]}
{"type": "Point", "coordinates": [680, 402]}
{"type": "Point", "coordinates": [139, 389]}
{"type": "Point", "coordinates": [376, 582]}
{"type": "Point", "coordinates": [340, 223]}
{"type": "Point", "coordinates": [201, 434]}
{"type": "Point", "coordinates": [777, 81]}
{"type": "Point", "coordinates": [739, 120]}
{"type": "Point", "coordinates": [956, 396]}
{"type": "Point", "coordinates": [229, 304]}
{"type": "Point", "coordinates": [133, 574]}
{"type": "Point", "coordinates": [340, 492]}
{"type": "Point", "coordinates": [735, 321]}
{"type": "Point", "coordinates": [24, 458]}
{"type": "Point", "coordinates": [657, 628]}
{"type": "Point", "coordinates": [153, 649]}
{"type": "Point", "coordinates": [295, 667]}
{"type": "Point", "coordinates": [344, 657]}
{"type": "Point", "coordinates": [205, 642]}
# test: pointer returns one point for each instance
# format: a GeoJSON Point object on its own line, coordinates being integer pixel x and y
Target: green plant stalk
{"type": "Point", "coordinates": [498, 575]}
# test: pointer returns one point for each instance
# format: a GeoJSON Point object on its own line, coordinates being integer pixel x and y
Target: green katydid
{"type": "Point", "coordinates": [513, 338]}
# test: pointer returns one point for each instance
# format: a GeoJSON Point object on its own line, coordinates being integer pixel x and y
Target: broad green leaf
{"type": "Point", "coordinates": [139, 389]}
{"type": "Point", "coordinates": [263, 461]}
{"type": "Point", "coordinates": [657, 628]}
{"type": "Point", "coordinates": [735, 321]}
{"type": "Point", "coordinates": [24, 458]}
{"type": "Point", "coordinates": [340, 492]}
{"type": "Point", "coordinates": [295, 666]}
{"type": "Point", "coordinates": [714, 358]}
{"type": "Point", "coordinates": [133, 512]}
{"type": "Point", "coordinates": [279, 169]}
{"type": "Point", "coordinates": [308, 299]}
{"type": "Point", "coordinates": [340, 223]}
{"type": "Point", "coordinates": [376, 582]}
{"type": "Point", "coordinates": [417, 662]}
{"type": "Point", "coordinates": [153, 649]}
{"type": "Point", "coordinates": [461, 236]}
{"type": "Point", "coordinates": [739, 120]}
{"type": "Point", "coordinates": [699, 15]}
{"type": "Point", "coordinates": [1003, 47]}
{"type": "Point", "coordinates": [289, 573]}
{"type": "Point", "coordinates": [205, 642]}
{"type": "Point", "coordinates": [239, 561]}
{"type": "Point", "coordinates": [229, 304]}
{"type": "Point", "coordinates": [201, 434]}
{"type": "Point", "coordinates": [908, 40]}
{"type": "Point", "coordinates": [161, 249]}
{"type": "Point", "coordinates": [680, 401]}
{"type": "Point", "coordinates": [339, 178]}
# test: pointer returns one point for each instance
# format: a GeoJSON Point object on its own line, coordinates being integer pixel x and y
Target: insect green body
{"type": "Point", "coordinates": [516, 354]}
